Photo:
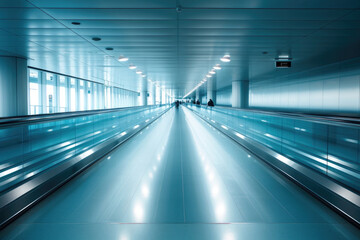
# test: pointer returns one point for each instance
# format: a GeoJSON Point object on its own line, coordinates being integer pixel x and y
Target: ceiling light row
{"type": "Point", "coordinates": [225, 58]}
{"type": "Point", "coordinates": [121, 58]}
{"type": "Point", "coordinates": [133, 67]}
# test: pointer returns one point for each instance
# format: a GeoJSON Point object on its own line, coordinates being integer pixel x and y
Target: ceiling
{"type": "Point", "coordinates": [177, 48]}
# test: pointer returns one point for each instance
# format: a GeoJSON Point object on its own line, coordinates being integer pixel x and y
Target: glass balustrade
{"type": "Point", "coordinates": [35, 144]}
{"type": "Point", "coordinates": [325, 145]}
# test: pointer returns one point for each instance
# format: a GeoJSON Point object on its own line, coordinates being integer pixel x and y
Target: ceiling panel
{"type": "Point", "coordinates": [123, 24]}
{"type": "Point", "coordinates": [337, 33]}
{"type": "Point", "coordinates": [67, 39]}
{"type": "Point", "coordinates": [353, 15]}
{"type": "Point", "coordinates": [22, 13]}
{"type": "Point", "coordinates": [115, 14]}
{"type": "Point", "coordinates": [224, 32]}
{"type": "Point", "coordinates": [125, 32]}
{"type": "Point", "coordinates": [135, 38]}
{"type": "Point", "coordinates": [269, 4]}
{"type": "Point", "coordinates": [344, 24]}
{"type": "Point", "coordinates": [177, 49]}
{"type": "Point", "coordinates": [41, 31]}
{"type": "Point", "coordinates": [14, 3]}
{"type": "Point", "coordinates": [104, 4]}
{"type": "Point", "coordinates": [30, 23]}
{"type": "Point", "coordinates": [254, 24]}
{"type": "Point", "coordinates": [263, 14]}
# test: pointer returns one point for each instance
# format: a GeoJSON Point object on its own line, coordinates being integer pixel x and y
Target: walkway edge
{"type": "Point", "coordinates": [17, 201]}
{"type": "Point", "coordinates": [343, 200]}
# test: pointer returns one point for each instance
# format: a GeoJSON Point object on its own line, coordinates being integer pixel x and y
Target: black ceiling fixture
{"type": "Point", "coordinates": [109, 48]}
{"type": "Point", "coordinates": [96, 39]}
{"type": "Point", "coordinates": [179, 8]}
{"type": "Point", "coordinates": [75, 23]}
{"type": "Point", "coordinates": [265, 53]}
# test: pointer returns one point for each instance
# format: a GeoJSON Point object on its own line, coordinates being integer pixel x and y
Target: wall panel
{"type": "Point", "coordinates": [333, 89]}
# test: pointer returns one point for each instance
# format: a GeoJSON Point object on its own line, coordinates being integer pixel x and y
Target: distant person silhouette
{"type": "Point", "coordinates": [211, 103]}
{"type": "Point", "coordinates": [198, 102]}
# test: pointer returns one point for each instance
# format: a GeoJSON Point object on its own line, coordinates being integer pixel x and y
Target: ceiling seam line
{"type": "Point", "coordinates": [55, 19]}
{"type": "Point", "coordinates": [330, 22]}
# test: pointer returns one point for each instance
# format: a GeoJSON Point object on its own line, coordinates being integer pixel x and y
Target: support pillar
{"type": "Point", "coordinates": [144, 92]}
{"type": "Point", "coordinates": [160, 93]}
{"type": "Point", "coordinates": [143, 96]}
{"type": "Point", "coordinates": [197, 95]}
{"type": "Point", "coordinates": [13, 87]}
{"type": "Point", "coordinates": [153, 94]}
{"type": "Point", "coordinates": [240, 94]}
{"type": "Point", "coordinates": [211, 89]}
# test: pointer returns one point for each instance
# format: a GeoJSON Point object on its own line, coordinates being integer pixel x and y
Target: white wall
{"type": "Point", "coordinates": [223, 96]}
{"type": "Point", "coordinates": [13, 86]}
{"type": "Point", "coordinates": [330, 89]}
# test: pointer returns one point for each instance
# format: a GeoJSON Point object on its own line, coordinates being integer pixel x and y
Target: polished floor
{"type": "Point", "coordinates": [180, 179]}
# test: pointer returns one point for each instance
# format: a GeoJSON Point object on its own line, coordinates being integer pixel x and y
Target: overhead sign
{"type": "Point", "coordinates": [283, 64]}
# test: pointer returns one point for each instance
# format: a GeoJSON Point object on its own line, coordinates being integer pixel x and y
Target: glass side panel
{"type": "Point", "coordinates": [30, 149]}
{"type": "Point", "coordinates": [331, 149]}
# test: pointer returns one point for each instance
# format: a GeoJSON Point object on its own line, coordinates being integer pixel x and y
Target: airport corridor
{"type": "Point", "coordinates": [180, 178]}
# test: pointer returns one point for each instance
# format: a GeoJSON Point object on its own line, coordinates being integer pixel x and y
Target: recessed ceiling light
{"type": "Point", "coordinates": [212, 72]}
{"type": "Point", "coordinates": [225, 58]}
{"type": "Point", "coordinates": [109, 48]}
{"type": "Point", "coordinates": [132, 67]}
{"type": "Point", "coordinates": [209, 76]}
{"type": "Point", "coordinates": [283, 56]}
{"type": "Point", "coordinates": [75, 23]}
{"type": "Point", "coordinates": [96, 39]}
{"type": "Point", "coordinates": [143, 75]}
{"type": "Point", "coordinates": [123, 59]}
{"type": "Point", "coordinates": [217, 67]}
{"type": "Point", "coordinates": [138, 72]}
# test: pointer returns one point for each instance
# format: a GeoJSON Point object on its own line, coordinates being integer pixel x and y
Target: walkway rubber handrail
{"type": "Point", "coordinates": [333, 120]}
{"type": "Point", "coordinates": [30, 119]}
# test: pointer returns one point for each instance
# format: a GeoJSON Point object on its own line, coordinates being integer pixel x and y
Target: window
{"type": "Point", "coordinates": [108, 97]}
{"type": "Point", "coordinates": [51, 93]}
{"type": "Point", "coordinates": [63, 94]}
{"type": "Point", "coordinates": [163, 96]}
{"type": "Point", "coordinates": [95, 96]}
{"type": "Point", "coordinates": [35, 92]}
{"type": "Point", "coordinates": [89, 95]}
{"type": "Point", "coordinates": [73, 94]}
{"type": "Point", "coordinates": [81, 95]}
{"type": "Point", "coordinates": [157, 95]}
